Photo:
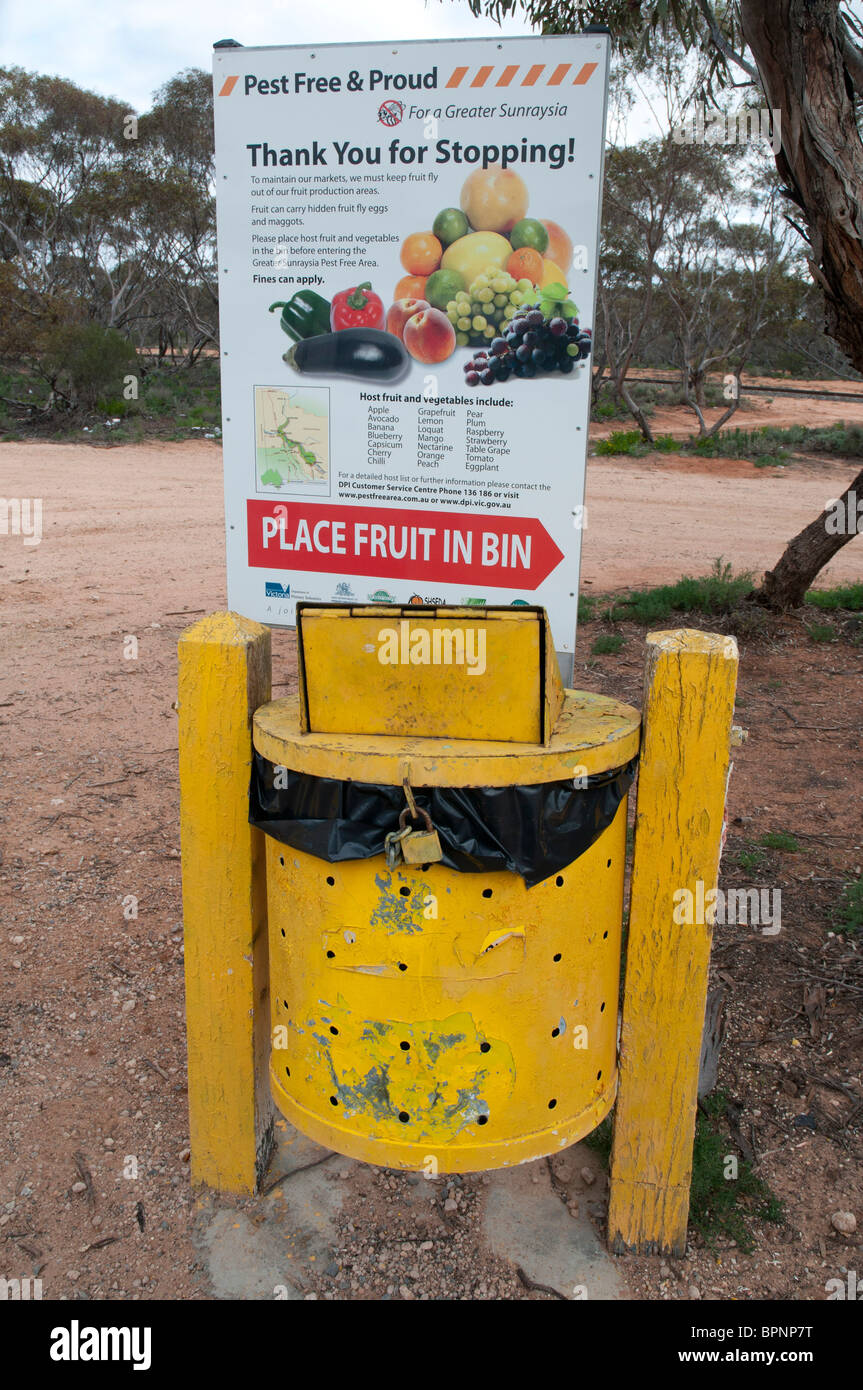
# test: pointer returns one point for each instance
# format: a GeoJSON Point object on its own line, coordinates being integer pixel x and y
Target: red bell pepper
{"type": "Point", "coordinates": [358, 307]}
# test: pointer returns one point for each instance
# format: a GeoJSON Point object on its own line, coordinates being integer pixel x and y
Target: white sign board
{"type": "Point", "coordinates": [408, 239]}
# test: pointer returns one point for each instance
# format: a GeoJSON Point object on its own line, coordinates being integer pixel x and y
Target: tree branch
{"type": "Point", "coordinates": [722, 44]}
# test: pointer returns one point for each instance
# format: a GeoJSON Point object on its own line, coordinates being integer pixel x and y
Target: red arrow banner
{"type": "Point", "coordinates": [451, 547]}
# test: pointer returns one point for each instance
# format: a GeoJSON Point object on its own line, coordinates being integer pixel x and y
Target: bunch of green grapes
{"type": "Point", "coordinates": [483, 311]}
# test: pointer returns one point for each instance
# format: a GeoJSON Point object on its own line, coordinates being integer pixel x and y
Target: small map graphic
{"type": "Point", "coordinates": [292, 440]}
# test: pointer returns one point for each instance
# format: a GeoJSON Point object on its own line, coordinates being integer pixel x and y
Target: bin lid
{"type": "Point", "coordinates": [593, 734]}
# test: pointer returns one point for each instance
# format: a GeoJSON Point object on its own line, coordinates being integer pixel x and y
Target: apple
{"type": "Point", "coordinates": [399, 313]}
{"type": "Point", "coordinates": [559, 247]}
{"type": "Point", "coordinates": [429, 336]}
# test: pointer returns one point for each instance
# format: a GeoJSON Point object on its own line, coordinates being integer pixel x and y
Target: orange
{"type": "Point", "coordinates": [410, 287]}
{"type": "Point", "coordinates": [421, 253]}
{"type": "Point", "coordinates": [525, 264]}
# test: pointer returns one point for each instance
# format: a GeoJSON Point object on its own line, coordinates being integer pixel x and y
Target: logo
{"type": "Point", "coordinates": [473, 602]}
{"type": "Point", "coordinates": [390, 112]}
{"type": "Point", "coordinates": [417, 599]}
{"type": "Point", "coordinates": [274, 590]}
{"type": "Point", "coordinates": [343, 590]}
{"type": "Point", "coordinates": [519, 603]}
{"type": "Point", "coordinates": [77, 1343]}
{"type": "Point", "coordinates": [228, 86]}
{"type": "Point", "coordinates": [381, 596]}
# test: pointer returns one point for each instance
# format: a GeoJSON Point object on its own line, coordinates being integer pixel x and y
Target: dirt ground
{"type": "Point", "coordinates": [92, 1058]}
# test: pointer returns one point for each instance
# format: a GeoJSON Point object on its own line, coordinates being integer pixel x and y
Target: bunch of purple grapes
{"type": "Point", "coordinates": [531, 345]}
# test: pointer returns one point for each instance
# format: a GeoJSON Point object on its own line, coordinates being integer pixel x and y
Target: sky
{"type": "Point", "coordinates": [128, 48]}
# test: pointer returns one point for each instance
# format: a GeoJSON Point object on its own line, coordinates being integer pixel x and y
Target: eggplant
{"type": "Point", "coordinates": [367, 353]}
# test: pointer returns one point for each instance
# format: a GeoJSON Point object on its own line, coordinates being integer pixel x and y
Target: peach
{"type": "Point", "coordinates": [494, 199]}
{"type": "Point", "coordinates": [559, 247]}
{"type": "Point", "coordinates": [429, 336]}
{"type": "Point", "coordinates": [399, 313]}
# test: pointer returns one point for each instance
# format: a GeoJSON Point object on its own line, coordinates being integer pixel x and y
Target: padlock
{"type": "Point", "coordinates": [419, 846]}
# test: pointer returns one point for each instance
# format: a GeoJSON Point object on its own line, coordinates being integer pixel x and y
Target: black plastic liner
{"type": "Point", "coordinates": [533, 831]}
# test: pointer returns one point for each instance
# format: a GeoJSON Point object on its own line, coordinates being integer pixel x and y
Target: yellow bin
{"type": "Point", "coordinates": [441, 1021]}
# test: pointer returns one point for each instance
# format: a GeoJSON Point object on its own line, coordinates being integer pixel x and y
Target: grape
{"type": "Point", "coordinates": [523, 353]}
{"type": "Point", "coordinates": [480, 357]}
{"type": "Point", "coordinates": [499, 345]}
{"type": "Point", "coordinates": [557, 327]}
{"type": "Point", "coordinates": [471, 379]}
{"type": "Point", "coordinates": [528, 369]}
{"type": "Point", "coordinates": [500, 301]}
{"type": "Point", "coordinates": [535, 318]}
{"type": "Point", "coordinates": [494, 361]}
{"type": "Point", "coordinates": [537, 357]}
{"type": "Point", "coordinates": [503, 374]}
{"type": "Point", "coordinates": [478, 322]}
{"type": "Point", "coordinates": [485, 296]}
{"type": "Point", "coordinates": [487, 377]}
{"type": "Point", "coordinates": [566, 365]}
{"type": "Point", "coordinates": [573, 349]}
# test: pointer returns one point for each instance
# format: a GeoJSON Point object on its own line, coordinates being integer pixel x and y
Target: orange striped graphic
{"type": "Point", "coordinates": [228, 86]}
{"type": "Point", "coordinates": [585, 75]}
{"type": "Point", "coordinates": [482, 77]}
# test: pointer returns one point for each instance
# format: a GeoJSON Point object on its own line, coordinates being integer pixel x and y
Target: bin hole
{"type": "Point", "coordinates": [331, 955]}
{"type": "Point", "coordinates": [485, 1047]}
{"type": "Point", "coordinates": [405, 1046]}
{"type": "Point", "coordinates": [608, 863]}
{"type": "Point", "coordinates": [482, 1119]}
{"type": "Point", "coordinates": [557, 957]}
{"type": "Point", "coordinates": [282, 860]}
{"type": "Point", "coordinates": [330, 880]}
{"type": "Point", "coordinates": [283, 931]}
{"type": "Point", "coordinates": [602, 1007]}
{"type": "Point", "coordinates": [552, 1104]}
{"type": "Point", "coordinates": [555, 1032]}
{"type": "Point", "coordinates": [405, 891]}
{"type": "Point", "coordinates": [404, 1116]}
{"type": "Point", "coordinates": [559, 880]}
{"type": "Point", "coordinates": [402, 965]}
{"type": "Point", "coordinates": [334, 1100]}
{"type": "Point", "coordinates": [599, 1076]}
{"type": "Point", "coordinates": [425, 868]}
{"type": "Point", "coordinates": [604, 935]}
{"type": "Point", "coordinates": [486, 892]}
{"type": "Point", "coordinates": [286, 1004]}
{"type": "Point", "coordinates": [287, 1071]}
{"type": "Point", "coordinates": [334, 1030]}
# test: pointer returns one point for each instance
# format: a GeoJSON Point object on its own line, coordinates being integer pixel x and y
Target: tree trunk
{"type": "Point", "coordinates": [798, 48]}
{"type": "Point", "coordinates": [785, 585]}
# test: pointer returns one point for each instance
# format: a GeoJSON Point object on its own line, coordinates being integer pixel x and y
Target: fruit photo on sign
{"type": "Point", "coordinates": [402, 310]}
{"type": "Point", "coordinates": [483, 267]}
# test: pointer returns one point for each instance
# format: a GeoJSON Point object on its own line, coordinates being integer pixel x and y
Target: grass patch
{"type": "Point", "coordinates": [717, 592]}
{"type": "Point", "coordinates": [848, 597]}
{"type": "Point", "coordinates": [780, 840]}
{"type": "Point", "coordinates": [750, 858]}
{"type": "Point", "coordinates": [607, 644]}
{"type": "Point", "coordinates": [848, 920]}
{"type": "Point", "coordinates": [821, 632]}
{"type": "Point", "coordinates": [586, 606]}
{"type": "Point", "coordinates": [721, 1204]}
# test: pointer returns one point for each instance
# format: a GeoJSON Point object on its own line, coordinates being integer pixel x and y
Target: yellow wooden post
{"type": "Point", "coordinates": [690, 681]}
{"type": "Point", "coordinates": [224, 675]}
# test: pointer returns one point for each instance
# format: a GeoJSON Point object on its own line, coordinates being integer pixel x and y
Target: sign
{"type": "Point", "coordinates": [408, 238]}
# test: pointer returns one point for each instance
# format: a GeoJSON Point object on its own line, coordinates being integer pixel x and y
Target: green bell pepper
{"type": "Point", "coordinates": [304, 316]}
